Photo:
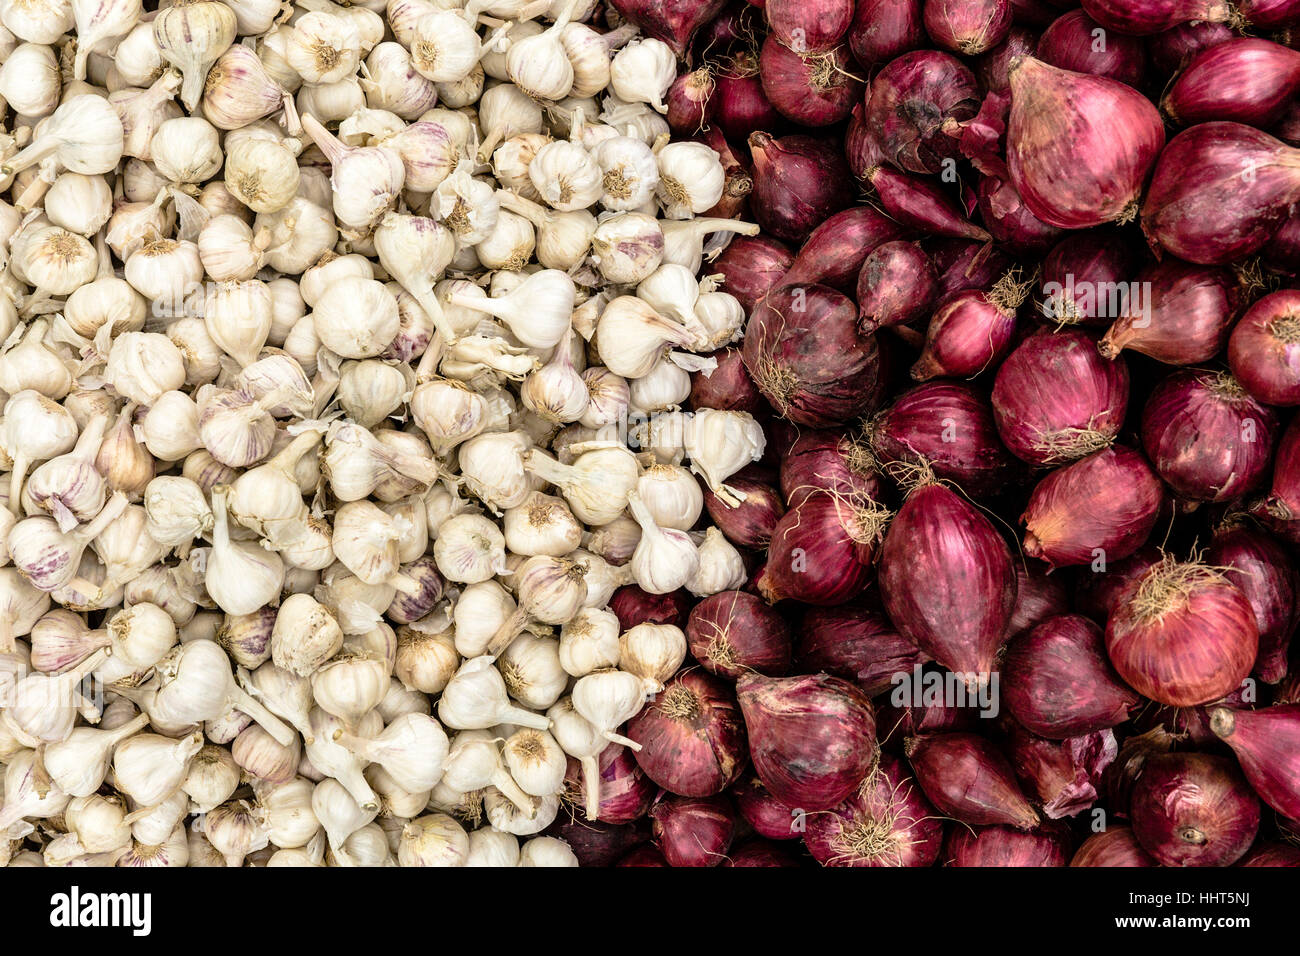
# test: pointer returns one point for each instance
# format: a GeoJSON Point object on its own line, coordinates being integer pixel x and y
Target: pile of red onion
{"type": "Point", "coordinates": [1023, 331]}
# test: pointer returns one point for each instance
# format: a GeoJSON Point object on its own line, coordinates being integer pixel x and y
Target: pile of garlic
{"type": "Point", "coordinates": [344, 352]}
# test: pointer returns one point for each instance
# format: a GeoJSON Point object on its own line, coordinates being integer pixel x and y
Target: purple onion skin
{"type": "Point", "coordinates": [749, 524]}
{"type": "Point", "coordinates": [792, 85]}
{"type": "Point", "coordinates": [862, 147]}
{"type": "Point", "coordinates": [809, 27]}
{"type": "Point", "coordinates": [768, 816]}
{"type": "Point", "coordinates": [1264, 348]}
{"type": "Point", "coordinates": [828, 461]}
{"type": "Point", "coordinates": [1264, 742]}
{"type": "Point", "coordinates": [634, 606]}
{"type": "Point", "coordinates": [1244, 80]}
{"type": "Point", "coordinates": [1058, 682]}
{"type": "Point", "coordinates": [1055, 398]}
{"type": "Point", "coordinates": [1268, 577]}
{"type": "Point", "coordinates": [734, 632]}
{"type": "Point", "coordinates": [1194, 810]}
{"type": "Point", "coordinates": [946, 579]}
{"type": "Point", "coordinates": [1007, 846]}
{"type": "Point", "coordinates": [857, 643]}
{"type": "Point", "coordinates": [884, 29]}
{"type": "Point", "coordinates": [1172, 49]}
{"type": "Point", "coordinates": [1078, 270]}
{"type": "Point", "coordinates": [1115, 846]}
{"type": "Point", "coordinates": [643, 856]}
{"type": "Point", "coordinates": [964, 265]}
{"type": "Point", "coordinates": [760, 853]}
{"type": "Point", "coordinates": [626, 793]}
{"type": "Point", "coordinates": [595, 842]}
{"type": "Point", "coordinates": [1034, 13]}
{"type": "Point", "coordinates": [890, 807]}
{"type": "Point", "coordinates": [1070, 44]}
{"type": "Point", "coordinates": [728, 386]}
{"type": "Point", "coordinates": [1202, 209]}
{"type": "Point", "coordinates": [751, 267]}
{"type": "Point", "coordinates": [1282, 254]}
{"type": "Point", "coordinates": [674, 22]}
{"type": "Point", "coordinates": [1145, 17]}
{"type": "Point", "coordinates": [1270, 14]}
{"type": "Point", "coordinates": [1208, 439]}
{"type": "Point", "coordinates": [921, 205]}
{"type": "Point", "coordinates": [968, 27]}
{"type": "Point", "coordinates": [1010, 221]}
{"type": "Point", "coordinates": [693, 831]}
{"type": "Point", "coordinates": [799, 182]}
{"type": "Point", "coordinates": [951, 426]}
{"type": "Point", "coordinates": [994, 65]}
{"type": "Point", "coordinates": [834, 252]}
{"type": "Point", "coordinates": [911, 99]}
{"type": "Point", "coordinates": [742, 106]}
{"type": "Point", "coordinates": [897, 285]}
{"type": "Point", "coordinates": [1079, 147]}
{"type": "Point", "coordinates": [1039, 596]}
{"type": "Point", "coordinates": [1062, 776]}
{"type": "Point", "coordinates": [966, 777]}
{"type": "Point", "coordinates": [1271, 854]}
{"type": "Point", "coordinates": [821, 551]}
{"type": "Point", "coordinates": [812, 739]}
{"type": "Point", "coordinates": [1184, 316]}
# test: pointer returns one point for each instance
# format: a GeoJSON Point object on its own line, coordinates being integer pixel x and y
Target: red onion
{"type": "Point", "coordinates": [1061, 775]}
{"type": "Point", "coordinates": [749, 524]}
{"type": "Point", "coordinates": [857, 643]}
{"type": "Point", "coordinates": [752, 267]}
{"type": "Point", "coordinates": [733, 28]}
{"type": "Point", "coordinates": [741, 106]}
{"type": "Point", "coordinates": [1039, 595]}
{"type": "Point", "coordinates": [1057, 681]}
{"type": "Point", "coordinates": [897, 285]}
{"type": "Point", "coordinates": [634, 606]}
{"type": "Point", "coordinates": [1267, 745]}
{"type": "Point", "coordinates": [1191, 725]}
{"type": "Point", "coordinates": [1219, 191]}
{"type": "Point", "coordinates": [971, 331]}
{"type": "Point", "coordinates": [690, 102]}
{"type": "Point", "coordinates": [812, 739]}
{"type": "Point", "coordinates": [948, 425]}
{"type": "Point", "coordinates": [1009, 220]}
{"type": "Point", "coordinates": [625, 791]}
{"type": "Point", "coordinates": [967, 26]}
{"type": "Point", "coordinates": [1176, 313]}
{"type": "Point", "coordinates": [727, 387]}
{"type": "Point", "coordinates": [1070, 43]}
{"type": "Point", "coordinates": [759, 853]}
{"type": "Point", "coordinates": [1099, 592]}
{"type": "Point", "coordinates": [946, 580]}
{"type": "Point", "coordinates": [1079, 147]}
{"type": "Point", "coordinates": [821, 550]}
{"type": "Point", "coordinates": [1055, 398]}
{"type": "Point", "coordinates": [1183, 634]}
{"type": "Point", "coordinates": [691, 735]}
{"type": "Point", "coordinates": [643, 856]}
{"type": "Point", "coordinates": [1264, 348]}
{"type": "Point", "coordinates": [885, 29]}
{"type": "Point", "coordinates": [1282, 254]}
{"type": "Point", "coordinates": [862, 147]}
{"type": "Point", "coordinates": [1207, 438]}
{"type": "Point", "coordinates": [765, 813]}
{"type": "Point", "coordinates": [834, 253]}
{"type": "Point", "coordinates": [595, 842]}
{"type": "Point", "coordinates": [1173, 48]}
{"type": "Point", "coordinates": [1194, 810]}
{"type": "Point", "coordinates": [888, 822]}
{"type": "Point", "coordinates": [799, 182]}
{"type": "Point", "coordinates": [1115, 846]}
{"type": "Point", "coordinates": [911, 99]}
{"type": "Point", "coordinates": [921, 205]}
{"type": "Point", "coordinates": [1122, 775]}
{"type": "Point", "coordinates": [896, 724]}
{"type": "Point", "coordinates": [693, 831]}
{"type": "Point", "coordinates": [1144, 17]}
{"type": "Point", "coordinates": [737, 183]}
{"type": "Point", "coordinates": [809, 26]}
{"type": "Point", "coordinates": [1243, 81]}
{"type": "Point", "coordinates": [803, 350]}
{"type": "Point", "coordinates": [1100, 508]}
{"type": "Point", "coordinates": [674, 23]}
{"type": "Point", "coordinates": [1006, 846]}
{"type": "Point", "coordinates": [1272, 854]}
{"type": "Point", "coordinates": [1283, 502]}
{"type": "Point", "coordinates": [1039, 13]}
{"type": "Point", "coordinates": [966, 778]}
{"type": "Point", "coordinates": [1269, 14]}
{"type": "Point", "coordinates": [826, 461]}
{"type": "Point", "coordinates": [1268, 577]}
{"type": "Point", "coordinates": [733, 632]}
{"type": "Point", "coordinates": [994, 66]}
{"type": "Point", "coordinates": [811, 89]}
{"type": "Point", "coordinates": [1083, 277]}
{"type": "Point", "coordinates": [963, 264]}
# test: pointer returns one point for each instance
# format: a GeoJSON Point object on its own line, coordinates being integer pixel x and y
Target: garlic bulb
{"type": "Point", "coordinates": [504, 814]}
{"type": "Point", "coordinates": [83, 134]}
{"type": "Point", "coordinates": [149, 768]}
{"type": "Point", "coordinates": [566, 176]}
{"type": "Point", "coordinates": [665, 558]}
{"type": "Point", "coordinates": [719, 444]}
{"type": "Point", "coordinates": [263, 757]}
{"type": "Point", "coordinates": [721, 566]}
{"type": "Point", "coordinates": [240, 576]}
{"type": "Point", "coordinates": [627, 247]}
{"type": "Point", "coordinates": [433, 840]}
{"type": "Point", "coordinates": [365, 180]}
{"type": "Point", "coordinates": [305, 635]}
{"type": "Point", "coordinates": [488, 847]}
{"type": "Point", "coordinates": [535, 761]}
{"type": "Point", "coordinates": [186, 149]}
{"type": "Point", "coordinates": [356, 318]}
{"type": "Point", "coordinates": [339, 764]}
{"type": "Point", "coordinates": [589, 641]}
{"type": "Point", "coordinates": [607, 698]}
{"type": "Point", "coordinates": [541, 524]}
{"type": "Point", "coordinates": [643, 71]}
{"type": "Point", "coordinates": [78, 764]}
{"type": "Point", "coordinates": [476, 698]}
{"type": "Point", "coordinates": [596, 485]}
{"type": "Point", "coordinates": [671, 495]}
{"type": "Point", "coordinates": [530, 667]}
{"type": "Point", "coordinates": [261, 173]}
{"type": "Point", "coordinates": [192, 35]}
{"type": "Point", "coordinates": [547, 851]}
{"type": "Point", "coordinates": [212, 777]}
{"type": "Point", "coordinates": [444, 47]}
{"type": "Point", "coordinates": [338, 811]}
